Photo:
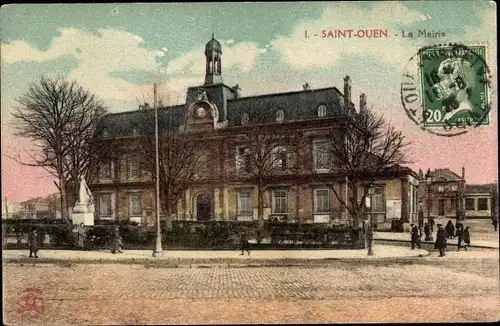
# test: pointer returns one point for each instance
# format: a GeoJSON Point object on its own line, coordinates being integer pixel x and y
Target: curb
{"type": "Point", "coordinates": [209, 263]}
{"type": "Point", "coordinates": [431, 243]}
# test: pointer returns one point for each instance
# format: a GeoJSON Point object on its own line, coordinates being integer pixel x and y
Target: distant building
{"type": "Point", "coordinates": [11, 210]}
{"type": "Point", "coordinates": [481, 201]}
{"type": "Point", "coordinates": [443, 197]}
{"type": "Point", "coordinates": [41, 207]}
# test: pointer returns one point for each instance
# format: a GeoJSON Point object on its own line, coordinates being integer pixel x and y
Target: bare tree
{"type": "Point", "coordinates": [181, 158]}
{"type": "Point", "coordinates": [367, 149]}
{"type": "Point", "coordinates": [266, 149]}
{"type": "Point", "coordinates": [62, 119]}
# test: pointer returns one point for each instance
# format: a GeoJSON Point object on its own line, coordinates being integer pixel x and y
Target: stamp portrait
{"type": "Point", "coordinates": [454, 81]}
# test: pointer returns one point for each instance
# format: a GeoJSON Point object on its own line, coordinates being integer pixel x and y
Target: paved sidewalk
{"type": "Point", "coordinates": [396, 236]}
{"type": "Point", "coordinates": [381, 252]}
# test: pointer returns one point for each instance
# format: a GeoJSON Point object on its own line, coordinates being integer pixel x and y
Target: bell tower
{"type": "Point", "coordinates": [213, 54]}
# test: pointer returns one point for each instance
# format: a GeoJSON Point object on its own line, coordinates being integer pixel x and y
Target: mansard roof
{"type": "Point", "coordinates": [298, 105]}
{"type": "Point", "coordinates": [444, 175]}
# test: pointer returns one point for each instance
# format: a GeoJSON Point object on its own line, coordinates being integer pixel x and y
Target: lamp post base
{"type": "Point", "coordinates": [370, 248]}
{"type": "Point", "coordinates": [158, 250]}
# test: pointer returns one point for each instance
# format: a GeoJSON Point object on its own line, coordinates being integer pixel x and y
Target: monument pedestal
{"type": "Point", "coordinates": [82, 214]}
{"type": "Point", "coordinates": [85, 218]}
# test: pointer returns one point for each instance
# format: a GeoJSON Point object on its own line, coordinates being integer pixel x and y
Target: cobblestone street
{"type": "Point", "coordinates": [427, 289]}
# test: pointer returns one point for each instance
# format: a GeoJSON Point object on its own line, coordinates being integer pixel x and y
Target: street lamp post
{"type": "Point", "coordinates": [370, 229]}
{"type": "Point", "coordinates": [428, 181]}
{"type": "Point", "coordinates": [158, 250]}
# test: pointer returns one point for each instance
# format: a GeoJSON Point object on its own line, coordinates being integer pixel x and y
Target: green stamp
{"type": "Point", "coordinates": [454, 86]}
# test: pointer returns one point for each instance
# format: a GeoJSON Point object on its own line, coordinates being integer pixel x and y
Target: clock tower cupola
{"type": "Point", "coordinates": [213, 54]}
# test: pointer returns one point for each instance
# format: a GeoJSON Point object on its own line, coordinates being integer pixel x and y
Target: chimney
{"type": "Point", "coordinates": [463, 172]}
{"type": "Point", "coordinates": [420, 174]}
{"type": "Point", "coordinates": [362, 102]}
{"type": "Point", "coordinates": [347, 91]}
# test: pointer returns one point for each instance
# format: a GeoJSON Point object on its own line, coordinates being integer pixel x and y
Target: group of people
{"type": "Point", "coordinates": [443, 234]}
{"type": "Point", "coordinates": [115, 244]}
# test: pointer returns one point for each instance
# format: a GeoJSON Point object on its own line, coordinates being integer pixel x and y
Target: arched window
{"type": "Point", "coordinates": [322, 111]}
{"type": "Point", "coordinates": [244, 119]}
{"type": "Point", "coordinates": [280, 116]}
{"type": "Point", "coordinates": [105, 133]}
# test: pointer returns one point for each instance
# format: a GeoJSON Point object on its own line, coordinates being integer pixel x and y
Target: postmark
{"type": "Point", "coordinates": [31, 302]}
{"type": "Point", "coordinates": [445, 89]}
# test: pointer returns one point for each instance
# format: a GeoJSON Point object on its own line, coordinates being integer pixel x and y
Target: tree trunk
{"type": "Point", "coordinates": [64, 200]}
{"type": "Point", "coordinates": [355, 206]}
{"type": "Point", "coordinates": [260, 209]}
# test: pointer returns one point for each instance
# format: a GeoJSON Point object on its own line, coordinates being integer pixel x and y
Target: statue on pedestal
{"type": "Point", "coordinates": [83, 211]}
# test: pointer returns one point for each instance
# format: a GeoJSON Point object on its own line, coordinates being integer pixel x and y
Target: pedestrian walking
{"type": "Point", "coordinates": [117, 244]}
{"type": "Point", "coordinates": [244, 244]}
{"type": "Point", "coordinates": [414, 236]}
{"type": "Point", "coordinates": [80, 236]}
{"type": "Point", "coordinates": [495, 224]}
{"type": "Point", "coordinates": [460, 236]}
{"type": "Point", "coordinates": [450, 230]}
{"type": "Point", "coordinates": [33, 240]}
{"type": "Point", "coordinates": [466, 237]}
{"type": "Point", "coordinates": [440, 240]}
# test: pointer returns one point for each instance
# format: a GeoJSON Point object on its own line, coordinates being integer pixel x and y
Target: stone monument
{"type": "Point", "coordinates": [83, 212]}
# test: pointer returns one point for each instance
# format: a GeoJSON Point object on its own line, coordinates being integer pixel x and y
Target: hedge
{"type": "Point", "coordinates": [191, 234]}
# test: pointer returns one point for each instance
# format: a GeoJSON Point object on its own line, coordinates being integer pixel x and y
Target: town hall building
{"type": "Point", "coordinates": [226, 189]}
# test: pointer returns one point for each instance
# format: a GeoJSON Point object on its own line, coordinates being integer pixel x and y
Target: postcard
{"type": "Point", "coordinates": [249, 163]}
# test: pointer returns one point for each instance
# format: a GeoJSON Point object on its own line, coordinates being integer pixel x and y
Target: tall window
{"type": "Point", "coordinates": [280, 116]}
{"type": "Point", "coordinates": [245, 202]}
{"type": "Point", "coordinates": [322, 155]}
{"type": "Point", "coordinates": [482, 204]}
{"type": "Point", "coordinates": [321, 201]}
{"type": "Point", "coordinates": [105, 171]}
{"type": "Point", "coordinates": [243, 160]}
{"type": "Point", "coordinates": [440, 188]}
{"type": "Point", "coordinates": [453, 203]}
{"type": "Point", "coordinates": [132, 167]}
{"type": "Point", "coordinates": [453, 187]}
{"type": "Point", "coordinates": [135, 204]}
{"type": "Point", "coordinates": [280, 202]}
{"type": "Point", "coordinates": [469, 204]}
{"type": "Point", "coordinates": [322, 111]}
{"type": "Point", "coordinates": [280, 157]}
{"type": "Point", "coordinates": [378, 205]}
{"type": "Point", "coordinates": [105, 208]}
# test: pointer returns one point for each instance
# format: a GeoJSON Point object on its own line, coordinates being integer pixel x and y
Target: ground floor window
{"type": "Point", "coordinates": [322, 201]}
{"type": "Point", "coordinates": [378, 203]}
{"type": "Point", "coordinates": [469, 204]}
{"type": "Point", "coordinates": [135, 204]}
{"type": "Point", "coordinates": [105, 206]}
{"type": "Point", "coordinates": [482, 204]}
{"type": "Point", "coordinates": [280, 202]}
{"type": "Point", "coordinates": [245, 202]}
{"type": "Point", "coordinates": [453, 204]}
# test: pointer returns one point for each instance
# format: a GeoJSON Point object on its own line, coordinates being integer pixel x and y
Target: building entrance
{"type": "Point", "coordinates": [204, 206]}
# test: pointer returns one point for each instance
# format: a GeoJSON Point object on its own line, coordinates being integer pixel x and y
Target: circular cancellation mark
{"type": "Point", "coordinates": [445, 89]}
